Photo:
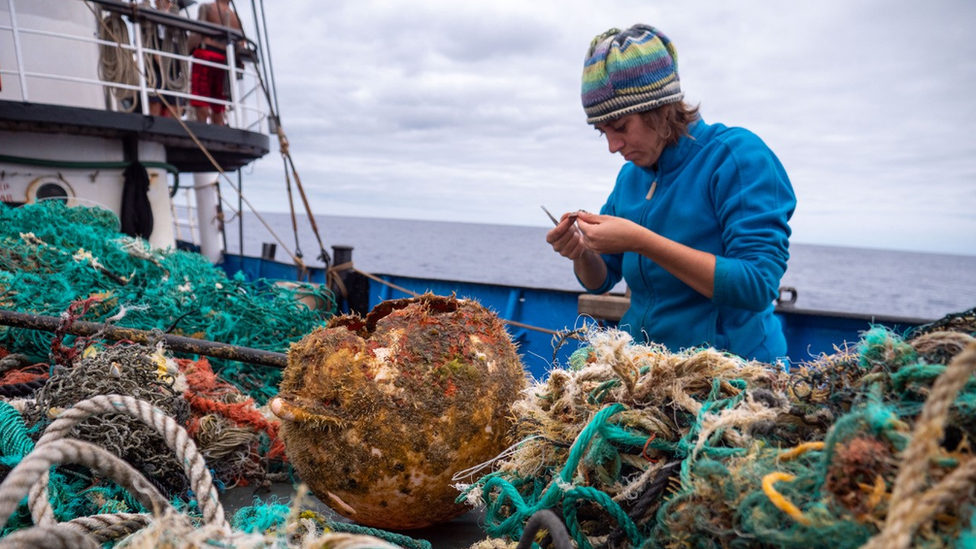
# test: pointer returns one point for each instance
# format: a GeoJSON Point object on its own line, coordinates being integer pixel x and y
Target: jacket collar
{"type": "Point", "coordinates": [673, 156]}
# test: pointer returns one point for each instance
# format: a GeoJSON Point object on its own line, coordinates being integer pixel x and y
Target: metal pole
{"type": "Point", "coordinates": [17, 51]}
{"type": "Point", "coordinates": [232, 83]}
{"type": "Point", "coordinates": [176, 343]}
{"type": "Point", "coordinates": [208, 220]}
{"type": "Point", "coordinates": [141, 63]}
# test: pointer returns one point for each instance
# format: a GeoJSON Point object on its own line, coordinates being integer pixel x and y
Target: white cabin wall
{"type": "Point", "coordinates": [163, 235]}
{"type": "Point", "coordinates": [48, 55]}
{"type": "Point", "coordinates": [90, 187]}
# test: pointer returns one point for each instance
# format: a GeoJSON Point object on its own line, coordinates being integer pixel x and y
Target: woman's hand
{"type": "Point", "coordinates": [566, 239]}
{"type": "Point", "coordinates": [607, 234]}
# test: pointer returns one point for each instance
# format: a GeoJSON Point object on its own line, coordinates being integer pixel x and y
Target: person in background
{"type": "Point", "coordinates": [698, 221]}
{"type": "Point", "coordinates": [210, 81]}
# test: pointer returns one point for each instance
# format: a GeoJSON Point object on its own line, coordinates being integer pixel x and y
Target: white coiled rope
{"type": "Point", "coordinates": [113, 66]}
{"type": "Point", "coordinates": [174, 72]}
{"type": "Point", "coordinates": [59, 536]}
{"type": "Point", "coordinates": [31, 476]}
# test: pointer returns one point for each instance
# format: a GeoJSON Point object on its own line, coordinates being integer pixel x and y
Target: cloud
{"type": "Point", "coordinates": [470, 111]}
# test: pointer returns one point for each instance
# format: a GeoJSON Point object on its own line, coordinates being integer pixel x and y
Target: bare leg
{"type": "Point", "coordinates": [200, 114]}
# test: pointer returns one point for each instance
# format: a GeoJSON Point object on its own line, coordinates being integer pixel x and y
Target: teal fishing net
{"type": "Point", "coordinates": [52, 256]}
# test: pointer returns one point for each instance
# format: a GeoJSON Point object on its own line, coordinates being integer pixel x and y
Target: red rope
{"type": "Point", "coordinates": [205, 386]}
{"type": "Point", "coordinates": [61, 353]}
{"type": "Point", "coordinates": [24, 375]}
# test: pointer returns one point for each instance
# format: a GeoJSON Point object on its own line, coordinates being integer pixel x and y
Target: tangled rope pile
{"type": "Point", "coordinates": [52, 256]}
{"type": "Point", "coordinates": [130, 370]}
{"type": "Point", "coordinates": [239, 440]}
{"type": "Point", "coordinates": [638, 447]}
{"type": "Point", "coordinates": [165, 526]}
{"type": "Point", "coordinates": [240, 445]}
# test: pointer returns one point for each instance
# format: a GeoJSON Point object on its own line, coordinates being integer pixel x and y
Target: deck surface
{"type": "Point", "coordinates": [459, 533]}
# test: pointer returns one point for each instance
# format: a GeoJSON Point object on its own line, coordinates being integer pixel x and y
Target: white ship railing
{"type": "Point", "coordinates": [185, 218]}
{"type": "Point", "coordinates": [42, 40]}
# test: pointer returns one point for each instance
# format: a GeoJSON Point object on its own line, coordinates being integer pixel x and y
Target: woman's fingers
{"type": "Point", "coordinates": [566, 240]}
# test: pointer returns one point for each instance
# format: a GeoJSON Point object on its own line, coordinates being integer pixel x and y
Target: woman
{"type": "Point", "coordinates": [697, 223]}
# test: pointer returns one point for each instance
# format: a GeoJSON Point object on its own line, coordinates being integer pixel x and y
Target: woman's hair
{"type": "Point", "coordinates": [671, 121]}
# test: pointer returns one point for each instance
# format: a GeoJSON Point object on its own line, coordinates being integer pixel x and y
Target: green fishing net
{"type": "Point", "coordinates": [638, 447]}
{"type": "Point", "coordinates": [52, 256]}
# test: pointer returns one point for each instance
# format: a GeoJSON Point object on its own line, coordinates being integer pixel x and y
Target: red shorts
{"type": "Point", "coordinates": [208, 81]}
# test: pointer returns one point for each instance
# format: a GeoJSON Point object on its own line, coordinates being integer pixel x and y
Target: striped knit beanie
{"type": "Point", "coordinates": [629, 71]}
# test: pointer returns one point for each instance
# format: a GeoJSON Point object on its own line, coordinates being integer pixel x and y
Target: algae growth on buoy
{"type": "Point", "coordinates": [379, 413]}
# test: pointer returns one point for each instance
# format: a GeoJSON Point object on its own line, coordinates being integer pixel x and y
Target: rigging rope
{"type": "Point", "coordinates": [286, 154]}
{"type": "Point", "coordinates": [116, 37]}
{"type": "Point", "coordinates": [265, 50]}
{"type": "Point", "coordinates": [297, 256]}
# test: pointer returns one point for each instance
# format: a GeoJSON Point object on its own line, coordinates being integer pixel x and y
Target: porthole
{"type": "Point", "coordinates": [51, 191]}
{"type": "Point", "coordinates": [50, 188]}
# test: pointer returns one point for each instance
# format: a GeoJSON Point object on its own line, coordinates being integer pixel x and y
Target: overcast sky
{"type": "Point", "coordinates": [470, 111]}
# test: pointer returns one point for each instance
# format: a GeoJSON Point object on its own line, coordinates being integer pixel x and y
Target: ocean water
{"type": "Point", "coordinates": [829, 278]}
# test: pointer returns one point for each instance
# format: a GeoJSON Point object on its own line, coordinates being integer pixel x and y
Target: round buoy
{"type": "Point", "coordinates": [379, 413]}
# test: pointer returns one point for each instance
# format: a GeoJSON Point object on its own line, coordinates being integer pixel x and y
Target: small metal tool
{"type": "Point", "coordinates": [552, 217]}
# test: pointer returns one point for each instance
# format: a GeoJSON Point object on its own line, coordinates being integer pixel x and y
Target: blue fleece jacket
{"type": "Point", "coordinates": [721, 191]}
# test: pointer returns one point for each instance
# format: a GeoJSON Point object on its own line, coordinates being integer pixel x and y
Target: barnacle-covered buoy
{"type": "Point", "coordinates": [378, 413]}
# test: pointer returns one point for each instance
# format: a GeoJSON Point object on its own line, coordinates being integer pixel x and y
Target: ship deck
{"type": "Point", "coordinates": [231, 148]}
{"type": "Point", "coordinates": [458, 533]}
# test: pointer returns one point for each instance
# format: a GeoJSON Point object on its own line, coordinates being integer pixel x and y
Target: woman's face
{"type": "Point", "coordinates": [633, 139]}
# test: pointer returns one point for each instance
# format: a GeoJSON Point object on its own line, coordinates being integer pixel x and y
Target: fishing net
{"type": "Point", "coordinates": [134, 370]}
{"type": "Point", "coordinates": [635, 446]}
{"type": "Point", "coordinates": [52, 256]}
{"type": "Point", "coordinates": [72, 263]}
{"type": "Point", "coordinates": [88, 512]}
{"type": "Point", "coordinates": [238, 441]}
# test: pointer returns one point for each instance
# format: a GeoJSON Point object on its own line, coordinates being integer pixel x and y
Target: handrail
{"type": "Point", "coordinates": [135, 12]}
{"type": "Point", "coordinates": [611, 306]}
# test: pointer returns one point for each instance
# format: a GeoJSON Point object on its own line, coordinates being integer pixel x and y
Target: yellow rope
{"type": "Point", "coordinates": [875, 493]}
{"type": "Point", "coordinates": [779, 500]}
{"type": "Point", "coordinates": [798, 451]}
